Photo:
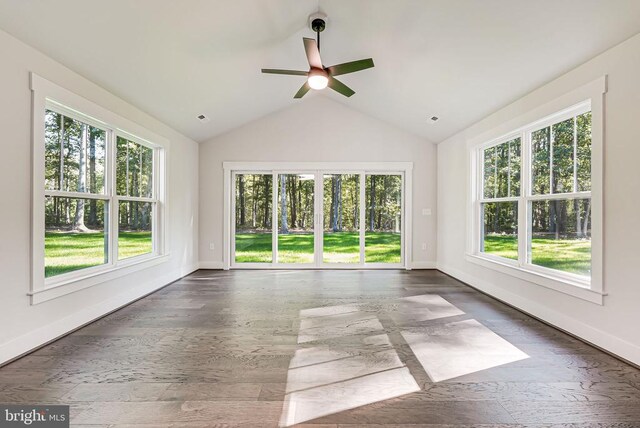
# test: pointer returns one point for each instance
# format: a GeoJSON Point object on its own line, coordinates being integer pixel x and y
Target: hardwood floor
{"type": "Point", "coordinates": [325, 349]}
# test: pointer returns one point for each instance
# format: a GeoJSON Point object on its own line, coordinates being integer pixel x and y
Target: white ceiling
{"type": "Point", "coordinates": [459, 60]}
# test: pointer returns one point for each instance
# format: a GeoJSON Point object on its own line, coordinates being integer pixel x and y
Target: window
{"type": "Point", "coordinates": [136, 203]}
{"type": "Point", "coordinates": [533, 204]}
{"type": "Point", "coordinates": [76, 206]}
{"type": "Point", "coordinates": [97, 191]}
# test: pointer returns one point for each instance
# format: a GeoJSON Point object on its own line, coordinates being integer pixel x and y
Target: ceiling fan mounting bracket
{"type": "Point", "coordinates": [318, 25]}
{"type": "Point", "coordinates": [318, 22]}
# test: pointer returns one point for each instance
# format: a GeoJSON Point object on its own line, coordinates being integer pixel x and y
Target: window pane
{"type": "Point", "coordinates": [502, 170]}
{"type": "Point", "coordinates": [52, 149]}
{"type": "Point", "coordinates": [514, 167]}
{"type": "Point", "coordinates": [490, 172]}
{"type": "Point", "coordinates": [74, 234]}
{"type": "Point", "coordinates": [540, 161]}
{"type": "Point", "coordinates": [253, 218]}
{"type": "Point", "coordinates": [341, 243]}
{"type": "Point", "coordinates": [134, 169]}
{"type": "Point", "coordinates": [383, 195]}
{"type": "Point", "coordinates": [500, 229]}
{"type": "Point", "coordinates": [135, 221]}
{"type": "Point", "coordinates": [562, 178]}
{"type": "Point", "coordinates": [74, 155]}
{"type": "Point", "coordinates": [584, 152]}
{"type": "Point", "coordinates": [295, 218]}
{"type": "Point", "coordinates": [561, 235]}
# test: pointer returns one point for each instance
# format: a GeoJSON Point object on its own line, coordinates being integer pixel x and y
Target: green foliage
{"type": "Point", "coordinates": [383, 196]}
{"type": "Point", "coordinates": [134, 169]}
{"type": "Point", "coordinates": [253, 202]}
{"type": "Point", "coordinates": [339, 247]}
{"type": "Point", "coordinates": [341, 202]}
{"type": "Point", "coordinates": [502, 170]}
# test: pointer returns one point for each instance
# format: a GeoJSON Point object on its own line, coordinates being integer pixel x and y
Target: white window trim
{"type": "Point", "coordinates": [589, 96]}
{"type": "Point", "coordinates": [362, 168]}
{"type": "Point", "coordinates": [48, 95]}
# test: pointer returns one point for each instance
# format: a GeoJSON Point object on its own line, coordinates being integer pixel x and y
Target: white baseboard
{"type": "Point", "coordinates": [423, 265]}
{"type": "Point", "coordinates": [36, 338]}
{"type": "Point", "coordinates": [186, 270]}
{"type": "Point", "coordinates": [601, 339]}
{"type": "Point", "coordinates": [211, 265]}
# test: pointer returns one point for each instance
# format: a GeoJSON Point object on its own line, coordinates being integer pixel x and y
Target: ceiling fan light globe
{"type": "Point", "coordinates": [318, 81]}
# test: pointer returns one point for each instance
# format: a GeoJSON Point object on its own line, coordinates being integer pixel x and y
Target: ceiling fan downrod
{"type": "Point", "coordinates": [318, 25]}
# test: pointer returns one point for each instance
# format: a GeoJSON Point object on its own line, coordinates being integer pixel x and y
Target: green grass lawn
{"type": "Point", "coordinates": [568, 255]}
{"type": "Point", "coordinates": [67, 251]}
{"type": "Point", "coordinates": [339, 247]}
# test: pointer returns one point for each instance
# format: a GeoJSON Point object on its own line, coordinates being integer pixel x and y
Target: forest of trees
{"type": "Point", "coordinates": [565, 145]}
{"type": "Point", "coordinates": [75, 154]}
{"type": "Point", "coordinates": [295, 199]}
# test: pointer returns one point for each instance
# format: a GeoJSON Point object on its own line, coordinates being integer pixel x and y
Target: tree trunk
{"type": "Point", "coordinates": [254, 200]}
{"type": "Point", "coordinates": [241, 198]}
{"type": "Point", "coordinates": [78, 221]}
{"type": "Point", "coordinates": [292, 200]}
{"type": "Point", "coordinates": [372, 205]}
{"type": "Point", "coordinates": [334, 203]}
{"type": "Point", "coordinates": [267, 211]}
{"type": "Point", "coordinates": [93, 220]}
{"type": "Point", "coordinates": [585, 224]}
{"type": "Point", "coordinates": [576, 208]}
{"type": "Point", "coordinates": [339, 202]}
{"type": "Point", "coordinates": [283, 205]}
{"type": "Point", "coordinates": [300, 211]}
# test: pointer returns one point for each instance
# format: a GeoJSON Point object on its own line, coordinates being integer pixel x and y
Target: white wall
{"type": "Point", "coordinates": [613, 326]}
{"type": "Point", "coordinates": [318, 129]}
{"type": "Point", "coordinates": [24, 326]}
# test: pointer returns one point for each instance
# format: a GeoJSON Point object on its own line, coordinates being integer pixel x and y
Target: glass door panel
{"type": "Point", "coordinates": [253, 218]}
{"type": "Point", "coordinates": [341, 213]}
{"type": "Point", "coordinates": [383, 218]}
{"type": "Point", "coordinates": [295, 217]}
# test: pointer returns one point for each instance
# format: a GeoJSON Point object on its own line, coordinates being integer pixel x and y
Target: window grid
{"type": "Point", "coordinates": [526, 197]}
{"type": "Point", "coordinates": [109, 196]}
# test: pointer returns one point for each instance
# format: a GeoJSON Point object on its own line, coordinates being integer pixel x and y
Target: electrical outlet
{"type": "Point", "coordinates": [426, 211]}
{"type": "Point", "coordinates": [424, 246]}
{"type": "Point", "coordinates": [212, 246]}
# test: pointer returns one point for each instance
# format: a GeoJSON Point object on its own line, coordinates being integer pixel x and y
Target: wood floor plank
{"type": "Point", "coordinates": [238, 349]}
{"type": "Point", "coordinates": [558, 412]}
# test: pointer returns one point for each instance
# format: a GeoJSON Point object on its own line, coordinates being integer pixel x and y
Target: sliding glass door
{"type": "Point", "coordinates": [341, 214]}
{"type": "Point", "coordinates": [295, 218]}
{"type": "Point", "coordinates": [317, 218]}
{"type": "Point", "coordinates": [253, 218]}
{"type": "Point", "coordinates": [383, 236]}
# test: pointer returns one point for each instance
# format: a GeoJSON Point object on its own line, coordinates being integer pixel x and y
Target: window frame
{"type": "Point", "coordinates": [49, 96]}
{"type": "Point", "coordinates": [587, 98]}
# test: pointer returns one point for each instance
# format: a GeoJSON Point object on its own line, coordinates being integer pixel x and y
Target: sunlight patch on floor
{"type": "Point", "coordinates": [346, 360]}
{"type": "Point", "coordinates": [456, 349]}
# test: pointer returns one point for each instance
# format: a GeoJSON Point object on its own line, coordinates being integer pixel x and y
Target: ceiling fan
{"type": "Point", "coordinates": [319, 76]}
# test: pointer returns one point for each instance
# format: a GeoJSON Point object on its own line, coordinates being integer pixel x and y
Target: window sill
{"type": "Point", "coordinates": [76, 284]}
{"type": "Point", "coordinates": [562, 285]}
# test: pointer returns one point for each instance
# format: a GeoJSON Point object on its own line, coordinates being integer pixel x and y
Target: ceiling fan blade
{"type": "Point", "coordinates": [303, 90]}
{"type": "Point", "coordinates": [313, 53]}
{"type": "Point", "coordinates": [288, 72]}
{"type": "Point", "coordinates": [350, 67]}
{"type": "Point", "coordinates": [340, 87]}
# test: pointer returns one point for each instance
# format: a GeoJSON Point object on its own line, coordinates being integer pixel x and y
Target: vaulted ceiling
{"type": "Point", "coordinates": [458, 60]}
